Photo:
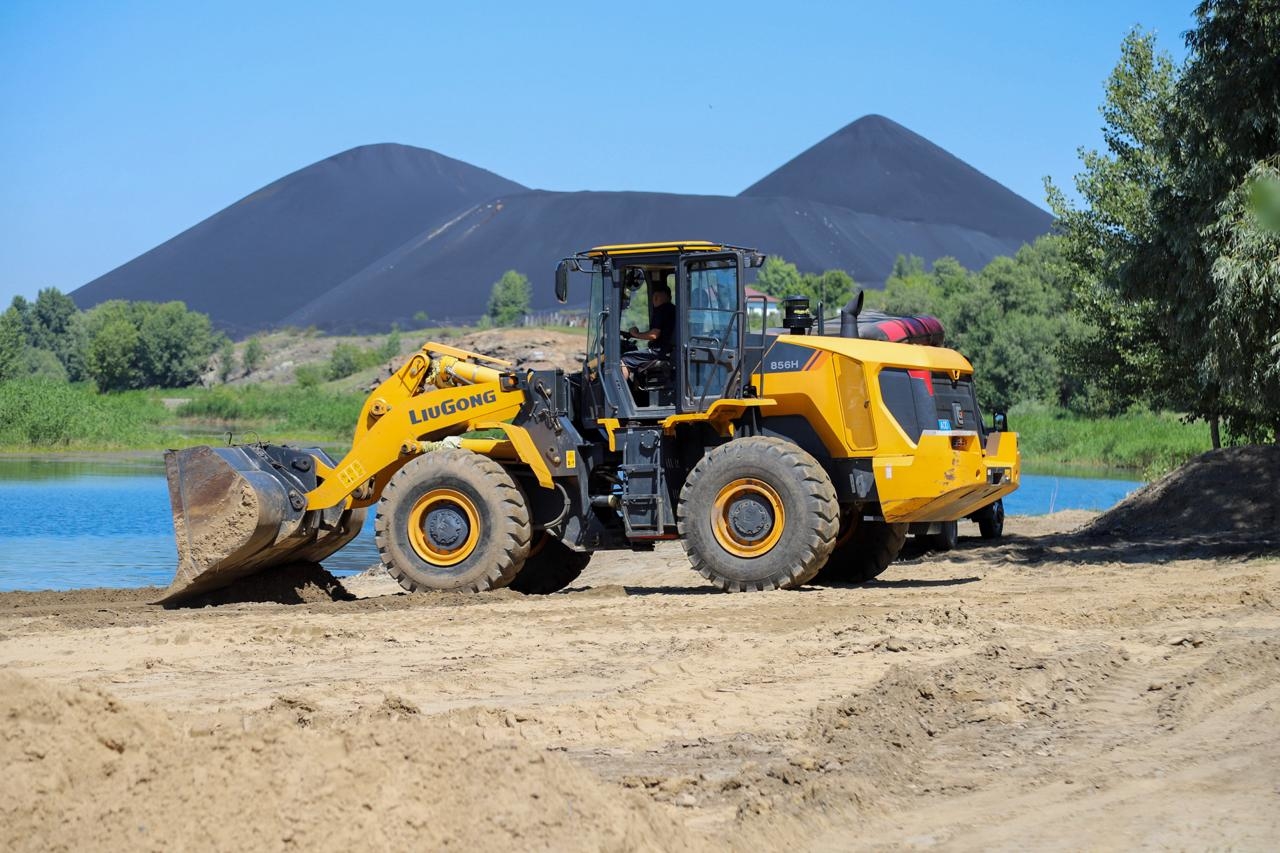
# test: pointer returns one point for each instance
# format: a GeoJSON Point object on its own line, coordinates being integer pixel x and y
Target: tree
{"type": "Point", "coordinates": [778, 278]}
{"type": "Point", "coordinates": [509, 299]}
{"type": "Point", "coordinates": [12, 342]}
{"type": "Point", "coordinates": [164, 345]}
{"type": "Point", "coordinates": [1245, 322]}
{"type": "Point", "coordinates": [832, 289]}
{"type": "Point", "coordinates": [1151, 237]}
{"type": "Point", "coordinates": [252, 356]}
{"type": "Point", "coordinates": [112, 361]}
{"type": "Point", "coordinates": [175, 345]}
{"type": "Point", "coordinates": [910, 290]}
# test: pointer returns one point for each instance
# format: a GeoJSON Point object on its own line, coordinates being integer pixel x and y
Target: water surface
{"type": "Point", "coordinates": [71, 523]}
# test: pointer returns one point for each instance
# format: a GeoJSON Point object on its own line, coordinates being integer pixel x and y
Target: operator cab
{"type": "Point", "coordinates": [702, 359]}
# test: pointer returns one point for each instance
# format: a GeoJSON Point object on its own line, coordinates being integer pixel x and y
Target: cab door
{"type": "Point", "coordinates": [712, 321]}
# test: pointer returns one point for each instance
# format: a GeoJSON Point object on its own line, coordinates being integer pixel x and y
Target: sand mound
{"type": "Point", "coordinates": [1229, 493]}
{"type": "Point", "coordinates": [82, 770]}
{"type": "Point", "coordinates": [295, 583]}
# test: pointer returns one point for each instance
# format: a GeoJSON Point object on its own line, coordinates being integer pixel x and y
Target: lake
{"type": "Point", "coordinates": [71, 523]}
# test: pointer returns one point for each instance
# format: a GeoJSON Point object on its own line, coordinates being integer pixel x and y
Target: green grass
{"type": "Point", "coordinates": [1148, 443]}
{"type": "Point", "coordinates": [42, 414]}
{"type": "Point", "coordinates": [46, 415]}
{"type": "Point", "coordinates": [285, 410]}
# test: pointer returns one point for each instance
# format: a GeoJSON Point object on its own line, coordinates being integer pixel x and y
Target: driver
{"type": "Point", "coordinates": [661, 332]}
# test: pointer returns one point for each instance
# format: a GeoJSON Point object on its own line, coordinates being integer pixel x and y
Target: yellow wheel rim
{"type": "Point", "coordinates": [747, 517]}
{"type": "Point", "coordinates": [444, 527]}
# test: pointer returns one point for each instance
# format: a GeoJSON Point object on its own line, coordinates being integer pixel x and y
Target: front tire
{"type": "Point", "coordinates": [452, 520]}
{"type": "Point", "coordinates": [758, 513]}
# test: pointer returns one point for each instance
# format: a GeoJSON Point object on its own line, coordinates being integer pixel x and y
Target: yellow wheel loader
{"type": "Point", "coordinates": [772, 454]}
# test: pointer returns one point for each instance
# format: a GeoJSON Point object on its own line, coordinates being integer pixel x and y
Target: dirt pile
{"type": "Point", "coordinates": [537, 349]}
{"type": "Point", "coordinates": [533, 349]}
{"type": "Point", "coordinates": [1231, 493]}
{"type": "Point", "coordinates": [295, 583]}
{"type": "Point", "coordinates": [81, 769]}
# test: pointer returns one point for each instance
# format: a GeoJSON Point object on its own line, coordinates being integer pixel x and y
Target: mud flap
{"type": "Point", "coordinates": [242, 509]}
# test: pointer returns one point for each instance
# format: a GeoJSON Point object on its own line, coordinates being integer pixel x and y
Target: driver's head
{"type": "Point", "coordinates": [660, 294]}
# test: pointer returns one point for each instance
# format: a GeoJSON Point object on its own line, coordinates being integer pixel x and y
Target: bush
{"type": "Point", "coordinates": [309, 375]}
{"type": "Point", "coordinates": [344, 361]}
{"type": "Point", "coordinates": [252, 356]}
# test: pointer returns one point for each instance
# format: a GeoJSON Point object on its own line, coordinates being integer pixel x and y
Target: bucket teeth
{"type": "Point", "coordinates": [242, 509]}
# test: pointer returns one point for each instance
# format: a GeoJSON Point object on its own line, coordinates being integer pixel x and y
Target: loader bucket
{"type": "Point", "coordinates": [242, 509]}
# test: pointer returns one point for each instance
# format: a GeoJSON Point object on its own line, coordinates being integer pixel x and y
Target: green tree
{"type": "Point", "coordinates": [509, 299]}
{"type": "Point", "coordinates": [420, 317]}
{"type": "Point", "coordinates": [12, 342]}
{"type": "Point", "coordinates": [1009, 321]}
{"type": "Point", "coordinates": [832, 289]}
{"type": "Point", "coordinates": [253, 355]}
{"type": "Point", "coordinates": [51, 318]}
{"type": "Point", "coordinates": [1150, 238]}
{"type": "Point", "coordinates": [165, 345]}
{"type": "Point", "coordinates": [779, 278]}
{"type": "Point", "coordinates": [911, 290]}
{"type": "Point", "coordinates": [1245, 324]}
{"type": "Point", "coordinates": [112, 360]}
{"type": "Point", "coordinates": [1126, 352]}
{"type": "Point", "coordinates": [175, 345]}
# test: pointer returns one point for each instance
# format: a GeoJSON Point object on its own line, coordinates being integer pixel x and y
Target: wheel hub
{"type": "Point", "coordinates": [444, 527]}
{"type": "Point", "coordinates": [447, 527]}
{"type": "Point", "coordinates": [750, 518]}
{"type": "Point", "coordinates": [747, 517]}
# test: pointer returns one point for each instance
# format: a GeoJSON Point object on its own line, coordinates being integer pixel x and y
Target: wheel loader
{"type": "Point", "coordinates": [775, 455]}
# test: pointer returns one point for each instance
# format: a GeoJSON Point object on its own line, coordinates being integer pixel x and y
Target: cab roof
{"type": "Point", "coordinates": [656, 248]}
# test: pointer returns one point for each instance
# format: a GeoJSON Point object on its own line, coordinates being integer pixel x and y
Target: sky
{"type": "Point", "coordinates": [123, 124]}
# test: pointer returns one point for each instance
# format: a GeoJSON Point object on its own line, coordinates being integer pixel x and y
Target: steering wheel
{"type": "Point", "coordinates": [628, 342]}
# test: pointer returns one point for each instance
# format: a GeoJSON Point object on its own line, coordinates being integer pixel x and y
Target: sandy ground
{"type": "Point", "coordinates": [1041, 693]}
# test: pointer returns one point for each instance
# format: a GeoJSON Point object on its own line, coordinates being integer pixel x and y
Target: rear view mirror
{"type": "Point", "coordinates": [562, 281]}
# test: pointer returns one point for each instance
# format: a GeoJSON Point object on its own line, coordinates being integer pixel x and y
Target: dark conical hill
{"type": "Point", "coordinates": [253, 263]}
{"type": "Point", "coordinates": [876, 165]}
{"type": "Point", "coordinates": [373, 235]}
{"type": "Point", "coordinates": [448, 273]}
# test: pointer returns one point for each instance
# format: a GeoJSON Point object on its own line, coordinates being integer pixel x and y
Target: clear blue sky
{"type": "Point", "coordinates": [121, 124]}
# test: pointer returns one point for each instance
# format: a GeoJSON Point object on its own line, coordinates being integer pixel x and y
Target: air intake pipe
{"type": "Point", "coordinates": [849, 316]}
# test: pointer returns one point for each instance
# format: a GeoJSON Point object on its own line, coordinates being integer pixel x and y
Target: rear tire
{"type": "Point", "coordinates": [865, 552]}
{"type": "Point", "coordinates": [991, 521]}
{"type": "Point", "coordinates": [452, 520]}
{"type": "Point", "coordinates": [550, 567]}
{"type": "Point", "coordinates": [758, 513]}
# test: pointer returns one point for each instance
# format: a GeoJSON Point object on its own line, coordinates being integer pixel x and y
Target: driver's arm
{"type": "Point", "coordinates": [650, 335]}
